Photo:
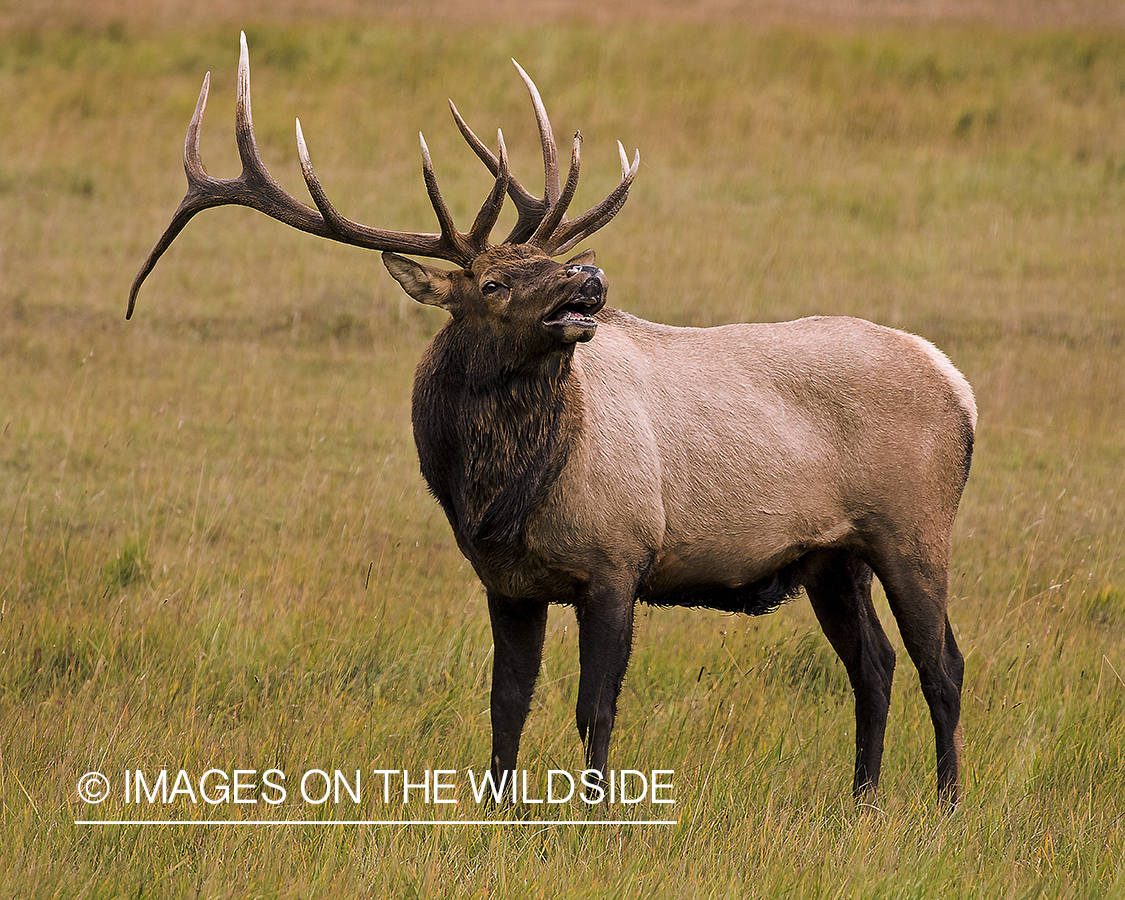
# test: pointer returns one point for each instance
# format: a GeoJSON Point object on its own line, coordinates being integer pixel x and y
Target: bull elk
{"type": "Point", "coordinates": [589, 458]}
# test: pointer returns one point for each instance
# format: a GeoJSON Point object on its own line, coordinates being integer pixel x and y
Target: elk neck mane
{"type": "Point", "coordinates": [492, 438]}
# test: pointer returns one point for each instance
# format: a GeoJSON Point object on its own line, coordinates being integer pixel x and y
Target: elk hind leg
{"type": "Point", "coordinates": [918, 594]}
{"type": "Point", "coordinates": [839, 588]}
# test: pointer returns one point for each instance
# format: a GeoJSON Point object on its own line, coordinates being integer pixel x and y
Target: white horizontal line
{"type": "Point", "coordinates": [520, 822]}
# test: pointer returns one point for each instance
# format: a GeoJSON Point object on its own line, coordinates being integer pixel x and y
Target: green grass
{"type": "Point", "coordinates": [216, 550]}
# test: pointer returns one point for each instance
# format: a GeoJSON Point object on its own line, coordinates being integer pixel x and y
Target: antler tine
{"type": "Point", "coordinates": [445, 219]}
{"type": "Point", "coordinates": [257, 189]}
{"type": "Point", "coordinates": [556, 215]}
{"type": "Point", "coordinates": [450, 244]}
{"type": "Point", "coordinates": [531, 209]}
{"type": "Point", "coordinates": [554, 234]}
{"type": "Point", "coordinates": [490, 211]}
{"type": "Point", "coordinates": [542, 221]}
{"type": "Point", "coordinates": [476, 240]}
{"type": "Point", "coordinates": [568, 234]}
{"type": "Point", "coordinates": [546, 138]}
{"type": "Point", "coordinates": [194, 170]}
{"type": "Point", "coordinates": [254, 188]}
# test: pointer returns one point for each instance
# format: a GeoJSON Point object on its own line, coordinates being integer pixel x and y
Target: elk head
{"type": "Point", "coordinates": [514, 292]}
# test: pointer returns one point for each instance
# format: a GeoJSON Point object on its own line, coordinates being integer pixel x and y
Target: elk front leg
{"type": "Point", "coordinates": [518, 627]}
{"type": "Point", "coordinates": [605, 639]}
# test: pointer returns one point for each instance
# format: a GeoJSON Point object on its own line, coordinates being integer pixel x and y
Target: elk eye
{"type": "Point", "coordinates": [491, 287]}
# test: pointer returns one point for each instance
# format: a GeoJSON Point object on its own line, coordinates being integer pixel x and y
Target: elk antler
{"type": "Point", "coordinates": [257, 189]}
{"type": "Point", "coordinates": [542, 221]}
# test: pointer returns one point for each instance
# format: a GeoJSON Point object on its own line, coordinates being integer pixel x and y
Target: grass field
{"type": "Point", "coordinates": [216, 551]}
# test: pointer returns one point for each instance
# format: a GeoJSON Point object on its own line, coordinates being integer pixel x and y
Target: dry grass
{"type": "Point", "coordinates": [850, 14]}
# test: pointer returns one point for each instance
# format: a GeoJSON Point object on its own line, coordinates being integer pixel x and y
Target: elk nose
{"type": "Point", "coordinates": [593, 288]}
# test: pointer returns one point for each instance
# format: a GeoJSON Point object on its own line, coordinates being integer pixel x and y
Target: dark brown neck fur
{"type": "Point", "coordinates": [491, 440]}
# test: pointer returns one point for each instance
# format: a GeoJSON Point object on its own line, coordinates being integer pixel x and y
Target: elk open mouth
{"type": "Point", "coordinates": [573, 320]}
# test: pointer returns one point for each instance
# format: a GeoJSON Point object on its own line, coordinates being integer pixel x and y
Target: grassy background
{"type": "Point", "coordinates": [215, 549]}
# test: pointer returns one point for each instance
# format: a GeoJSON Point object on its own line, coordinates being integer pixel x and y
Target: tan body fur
{"type": "Point", "coordinates": [731, 451]}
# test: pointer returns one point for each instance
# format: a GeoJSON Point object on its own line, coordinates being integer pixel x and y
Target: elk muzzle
{"type": "Point", "coordinates": [572, 319]}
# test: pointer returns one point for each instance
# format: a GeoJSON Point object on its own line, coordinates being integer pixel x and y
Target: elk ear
{"type": "Point", "coordinates": [426, 284]}
{"type": "Point", "coordinates": [585, 258]}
